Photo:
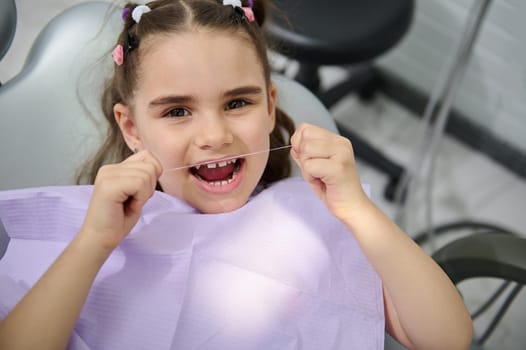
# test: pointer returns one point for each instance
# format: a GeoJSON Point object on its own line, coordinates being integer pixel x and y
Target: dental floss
{"type": "Point", "coordinates": [233, 157]}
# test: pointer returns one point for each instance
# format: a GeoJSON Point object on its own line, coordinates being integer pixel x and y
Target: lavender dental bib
{"type": "Point", "coordinates": [278, 273]}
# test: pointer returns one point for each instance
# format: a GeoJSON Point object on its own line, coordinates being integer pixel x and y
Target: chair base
{"type": "Point", "coordinates": [376, 159]}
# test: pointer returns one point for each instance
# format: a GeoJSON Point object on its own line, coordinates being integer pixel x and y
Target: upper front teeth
{"type": "Point", "coordinates": [218, 164]}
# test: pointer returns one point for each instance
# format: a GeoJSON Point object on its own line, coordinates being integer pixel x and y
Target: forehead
{"type": "Point", "coordinates": [191, 59]}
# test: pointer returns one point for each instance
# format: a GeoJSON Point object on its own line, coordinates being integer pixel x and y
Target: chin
{"type": "Point", "coordinates": [220, 206]}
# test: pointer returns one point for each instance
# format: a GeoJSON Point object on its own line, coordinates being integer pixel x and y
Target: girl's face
{"type": "Point", "coordinates": [202, 97]}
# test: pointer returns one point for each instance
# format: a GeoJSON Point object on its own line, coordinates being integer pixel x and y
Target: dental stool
{"type": "Point", "coordinates": [8, 19]}
{"type": "Point", "coordinates": [341, 33]}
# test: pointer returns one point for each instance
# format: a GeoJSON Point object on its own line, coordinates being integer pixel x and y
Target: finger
{"type": "Point", "coordinates": [331, 146]}
{"type": "Point", "coordinates": [148, 157]}
{"type": "Point", "coordinates": [119, 183]}
{"type": "Point", "coordinates": [150, 170]}
{"type": "Point", "coordinates": [115, 181]}
{"type": "Point", "coordinates": [129, 168]}
{"type": "Point", "coordinates": [296, 138]}
{"type": "Point", "coordinates": [324, 169]}
{"type": "Point", "coordinates": [318, 148]}
{"type": "Point", "coordinates": [130, 191]}
{"type": "Point", "coordinates": [137, 157]}
{"type": "Point", "coordinates": [294, 155]}
{"type": "Point", "coordinates": [306, 133]}
{"type": "Point", "coordinates": [138, 192]}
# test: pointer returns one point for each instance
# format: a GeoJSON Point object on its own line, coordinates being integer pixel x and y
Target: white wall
{"type": "Point", "coordinates": [493, 92]}
{"type": "Point", "coordinates": [32, 17]}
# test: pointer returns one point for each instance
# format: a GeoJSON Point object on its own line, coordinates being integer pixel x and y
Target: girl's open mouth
{"type": "Point", "coordinates": [219, 173]}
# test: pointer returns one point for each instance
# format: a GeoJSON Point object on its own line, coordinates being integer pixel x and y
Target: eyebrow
{"type": "Point", "coordinates": [171, 99]}
{"type": "Point", "coordinates": [244, 90]}
{"type": "Point", "coordinates": [186, 99]}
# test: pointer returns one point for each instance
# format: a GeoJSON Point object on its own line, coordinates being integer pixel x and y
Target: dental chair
{"type": "Point", "coordinates": [47, 129]}
{"type": "Point", "coordinates": [48, 122]}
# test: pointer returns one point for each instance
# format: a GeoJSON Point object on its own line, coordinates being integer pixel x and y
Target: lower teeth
{"type": "Point", "coordinates": [221, 182]}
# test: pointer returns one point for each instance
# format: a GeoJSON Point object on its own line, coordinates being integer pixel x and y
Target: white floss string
{"type": "Point", "coordinates": [233, 157]}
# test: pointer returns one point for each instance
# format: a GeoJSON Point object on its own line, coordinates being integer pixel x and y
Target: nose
{"type": "Point", "coordinates": [213, 133]}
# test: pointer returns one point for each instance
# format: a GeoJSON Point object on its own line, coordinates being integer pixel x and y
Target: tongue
{"type": "Point", "coordinates": [216, 174]}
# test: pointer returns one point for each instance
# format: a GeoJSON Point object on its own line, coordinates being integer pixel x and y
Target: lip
{"type": "Point", "coordinates": [221, 189]}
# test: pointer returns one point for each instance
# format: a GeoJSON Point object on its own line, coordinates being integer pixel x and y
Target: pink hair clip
{"type": "Point", "coordinates": [118, 55]}
{"type": "Point", "coordinates": [249, 14]}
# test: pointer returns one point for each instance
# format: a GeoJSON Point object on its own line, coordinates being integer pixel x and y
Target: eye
{"type": "Point", "coordinates": [236, 104]}
{"type": "Point", "coordinates": [177, 113]}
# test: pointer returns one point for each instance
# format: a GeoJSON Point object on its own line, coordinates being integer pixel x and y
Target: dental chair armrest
{"type": "Point", "coordinates": [484, 255]}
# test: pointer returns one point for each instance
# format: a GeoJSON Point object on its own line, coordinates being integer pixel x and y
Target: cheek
{"type": "Point", "coordinates": [258, 132]}
{"type": "Point", "coordinates": [166, 146]}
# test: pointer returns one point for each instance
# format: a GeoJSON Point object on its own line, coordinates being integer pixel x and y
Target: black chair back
{"type": "Point", "coordinates": [7, 25]}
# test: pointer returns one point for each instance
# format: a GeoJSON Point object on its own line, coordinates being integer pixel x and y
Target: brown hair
{"type": "Point", "coordinates": [170, 16]}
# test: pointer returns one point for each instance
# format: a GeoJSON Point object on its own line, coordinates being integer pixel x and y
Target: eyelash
{"type": "Point", "coordinates": [242, 101]}
{"type": "Point", "coordinates": [177, 109]}
{"type": "Point", "coordinates": [230, 105]}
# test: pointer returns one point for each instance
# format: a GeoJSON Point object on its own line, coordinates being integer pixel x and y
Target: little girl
{"type": "Point", "coordinates": [231, 254]}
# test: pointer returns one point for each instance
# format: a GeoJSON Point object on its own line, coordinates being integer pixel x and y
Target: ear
{"type": "Point", "coordinates": [123, 117]}
{"type": "Point", "coordinates": [272, 104]}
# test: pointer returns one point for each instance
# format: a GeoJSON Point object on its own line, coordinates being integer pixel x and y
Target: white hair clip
{"type": "Point", "coordinates": [233, 3]}
{"type": "Point", "coordinates": [138, 11]}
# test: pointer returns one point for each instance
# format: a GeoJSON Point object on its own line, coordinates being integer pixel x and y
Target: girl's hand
{"type": "Point", "coordinates": [119, 193]}
{"type": "Point", "coordinates": [327, 163]}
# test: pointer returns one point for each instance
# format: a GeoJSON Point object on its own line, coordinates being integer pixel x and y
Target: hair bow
{"type": "Point", "coordinates": [233, 3]}
{"type": "Point", "coordinates": [138, 11]}
{"type": "Point", "coordinates": [236, 4]}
